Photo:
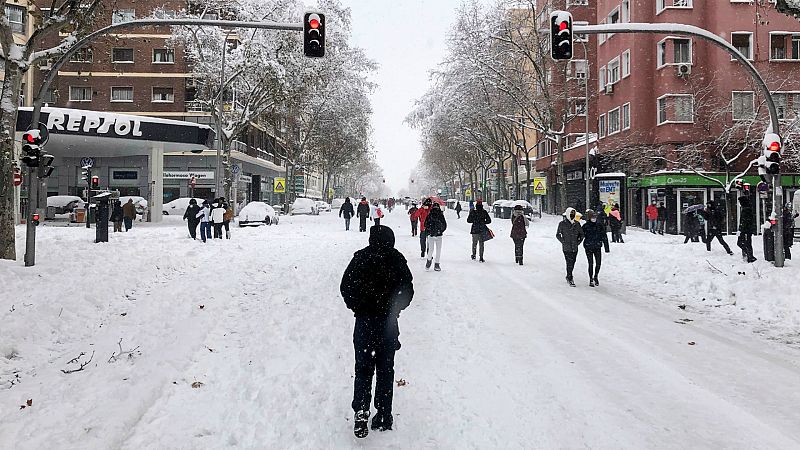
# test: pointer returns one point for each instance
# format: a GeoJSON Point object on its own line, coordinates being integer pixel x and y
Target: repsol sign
{"type": "Point", "coordinates": [94, 122]}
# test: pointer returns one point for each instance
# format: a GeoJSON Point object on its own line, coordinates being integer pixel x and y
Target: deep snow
{"type": "Point", "coordinates": [494, 355]}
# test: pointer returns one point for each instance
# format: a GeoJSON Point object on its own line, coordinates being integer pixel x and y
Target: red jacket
{"type": "Point", "coordinates": [421, 214]}
{"type": "Point", "coordinates": [652, 212]}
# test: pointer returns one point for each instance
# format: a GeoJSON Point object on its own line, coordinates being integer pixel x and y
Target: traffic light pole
{"type": "Point", "coordinates": [690, 30]}
{"type": "Point", "coordinates": [32, 185]}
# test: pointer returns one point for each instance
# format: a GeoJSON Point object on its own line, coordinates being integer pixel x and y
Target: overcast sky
{"type": "Point", "coordinates": [407, 39]}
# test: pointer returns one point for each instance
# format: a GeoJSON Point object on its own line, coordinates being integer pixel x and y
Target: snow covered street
{"type": "Point", "coordinates": [246, 343]}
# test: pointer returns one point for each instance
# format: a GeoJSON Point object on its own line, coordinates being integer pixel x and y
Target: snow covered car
{"type": "Point", "coordinates": [323, 207]}
{"type": "Point", "coordinates": [178, 206]}
{"type": "Point", "coordinates": [528, 209]}
{"type": "Point", "coordinates": [337, 203]}
{"type": "Point", "coordinates": [304, 206]}
{"type": "Point", "coordinates": [257, 213]}
{"type": "Point", "coordinates": [64, 204]}
{"type": "Point", "coordinates": [138, 202]}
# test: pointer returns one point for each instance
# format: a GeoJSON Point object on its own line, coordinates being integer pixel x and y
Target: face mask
{"type": "Point", "coordinates": [594, 219]}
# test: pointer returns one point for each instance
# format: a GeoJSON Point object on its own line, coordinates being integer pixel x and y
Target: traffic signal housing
{"type": "Point", "coordinates": [314, 35]}
{"type": "Point", "coordinates": [35, 219]}
{"type": "Point", "coordinates": [561, 35]}
{"type": "Point", "coordinates": [771, 148]}
{"type": "Point", "coordinates": [95, 182]}
{"type": "Point", "coordinates": [31, 147]}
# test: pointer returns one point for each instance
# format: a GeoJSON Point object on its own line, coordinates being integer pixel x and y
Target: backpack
{"type": "Point", "coordinates": [380, 213]}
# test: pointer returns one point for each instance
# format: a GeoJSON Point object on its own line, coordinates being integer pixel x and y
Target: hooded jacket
{"type": "Point", "coordinates": [479, 218]}
{"type": "Point", "coordinates": [116, 212]}
{"type": "Point", "coordinates": [651, 211]}
{"type": "Point", "coordinates": [411, 212]}
{"type": "Point", "coordinates": [747, 220]}
{"type": "Point", "coordinates": [204, 214]}
{"type": "Point", "coordinates": [377, 282]}
{"type": "Point", "coordinates": [435, 223]}
{"type": "Point", "coordinates": [594, 236]}
{"type": "Point", "coordinates": [346, 209]}
{"type": "Point", "coordinates": [363, 209]}
{"type": "Point", "coordinates": [519, 223]}
{"type": "Point", "coordinates": [217, 213]}
{"type": "Point", "coordinates": [569, 232]}
{"type": "Point", "coordinates": [421, 215]}
{"type": "Point", "coordinates": [191, 212]}
{"type": "Point", "coordinates": [129, 210]}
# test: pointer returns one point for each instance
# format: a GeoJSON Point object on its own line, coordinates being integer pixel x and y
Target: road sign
{"type": "Point", "coordinates": [279, 187]}
{"type": "Point", "coordinates": [468, 192]}
{"type": "Point", "coordinates": [17, 179]}
{"type": "Point", "coordinates": [236, 169]}
{"type": "Point", "coordinates": [87, 162]}
{"type": "Point", "coordinates": [540, 186]}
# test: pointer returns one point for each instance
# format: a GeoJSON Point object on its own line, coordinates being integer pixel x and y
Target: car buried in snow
{"type": "Point", "coordinates": [256, 214]}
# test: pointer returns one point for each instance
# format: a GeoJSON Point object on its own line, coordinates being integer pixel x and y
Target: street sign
{"type": "Point", "coordinates": [236, 169]}
{"type": "Point", "coordinates": [17, 179]}
{"type": "Point", "coordinates": [468, 192]}
{"type": "Point", "coordinates": [279, 187]}
{"type": "Point", "coordinates": [540, 186]}
{"type": "Point", "coordinates": [87, 162]}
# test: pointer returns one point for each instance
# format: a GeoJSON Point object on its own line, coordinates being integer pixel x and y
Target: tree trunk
{"type": "Point", "coordinates": [8, 128]}
{"type": "Point", "coordinates": [561, 179]}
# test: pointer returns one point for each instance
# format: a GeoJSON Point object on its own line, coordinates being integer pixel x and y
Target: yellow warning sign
{"type": "Point", "coordinates": [468, 193]}
{"type": "Point", "coordinates": [280, 186]}
{"type": "Point", "coordinates": [540, 186]}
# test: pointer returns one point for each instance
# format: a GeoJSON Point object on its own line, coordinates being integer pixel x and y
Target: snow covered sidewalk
{"type": "Point", "coordinates": [494, 355]}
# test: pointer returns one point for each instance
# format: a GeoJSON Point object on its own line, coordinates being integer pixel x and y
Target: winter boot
{"type": "Point", "coordinates": [422, 254]}
{"type": "Point", "coordinates": [481, 260]}
{"type": "Point", "coordinates": [473, 257]}
{"type": "Point", "coordinates": [361, 428]}
{"type": "Point", "coordinates": [520, 260]}
{"type": "Point", "coordinates": [570, 281]}
{"type": "Point", "coordinates": [596, 281]}
{"type": "Point", "coordinates": [382, 422]}
{"type": "Point", "coordinates": [591, 282]}
{"type": "Point", "coordinates": [227, 235]}
{"type": "Point", "coordinates": [437, 268]}
{"type": "Point", "coordinates": [428, 264]}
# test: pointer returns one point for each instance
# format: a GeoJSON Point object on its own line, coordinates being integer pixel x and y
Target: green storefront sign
{"type": "Point", "coordinates": [694, 180]}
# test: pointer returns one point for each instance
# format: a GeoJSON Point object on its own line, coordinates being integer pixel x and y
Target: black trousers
{"type": "Point", "coordinates": [375, 342]}
{"type": "Point", "coordinates": [414, 227]}
{"type": "Point", "coordinates": [745, 242]}
{"type": "Point", "coordinates": [362, 224]}
{"type": "Point", "coordinates": [592, 256]}
{"type": "Point", "coordinates": [423, 241]}
{"type": "Point", "coordinates": [193, 228]}
{"type": "Point", "coordinates": [787, 246]}
{"type": "Point", "coordinates": [616, 236]}
{"type": "Point", "coordinates": [519, 244]}
{"type": "Point", "coordinates": [570, 257]}
{"type": "Point", "coordinates": [718, 234]}
{"type": "Point", "coordinates": [376, 221]}
{"type": "Point", "coordinates": [217, 230]}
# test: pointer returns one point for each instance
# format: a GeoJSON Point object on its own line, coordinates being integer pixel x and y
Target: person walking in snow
{"type": "Point", "coordinates": [191, 217]}
{"type": "Point", "coordinates": [117, 215]}
{"type": "Point", "coordinates": [615, 223]}
{"type": "Point", "coordinates": [519, 225]}
{"type": "Point", "coordinates": [205, 221]}
{"type": "Point", "coordinates": [422, 214]}
{"type": "Point", "coordinates": [414, 221]}
{"type": "Point", "coordinates": [129, 214]}
{"type": "Point", "coordinates": [747, 228]}
{"type": "Point", "coordinates": [693, 227]}
{"type": "Point", "coordinates": [363, 214]}
{"type": "Point", "coordinates": [217, 218]}
{"type": "Point", "coordinates": [652, 216]}
{"type": "Point", "coordinates": [227, 217]}
{"type": "Point", "coordinates": [479, 219]}
{"type": "Point", "coordinates": [346, 211]}
{"type": "Point", "coordinates": [376, 213]}
{"type": "Point", "coordinates": [435, 225]}
{"type": "Point", "coordinates": [715, 219]}
{"type": "Point", "coordinates": [788, 231]}
{"type": "Point", "coordinates": [570, 234]}
{"type": "Point", "coordinates": [662, 218]}
{"type": "Point", "coordinates": [471, 205]}
{"type": "Point", "coordinates": [595, 239]}
{"type": "Point", "coordinates": [376, 286]}
{"type": "Point", "coordinates": [458, 209]}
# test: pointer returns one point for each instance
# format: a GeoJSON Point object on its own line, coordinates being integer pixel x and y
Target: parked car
{"type": "Point", "coordinates": [64, 204]}
{"type": "Point", "coordinates": [304, 206]}
{"type": "Point", "coordinates": [138, 202]}
{"type": "Point", "coordinates": [258, 213]}
{"type": "Point", "coordinates": [528, 209]}
{"type": "Point", "coordinates": [178, 206]}
{"type": "Point", "coordinates": [323, 206]}
{"type": "Point", "coordinates": [337, 203]}
{"type": "Point", "coordinates": [278, 208]}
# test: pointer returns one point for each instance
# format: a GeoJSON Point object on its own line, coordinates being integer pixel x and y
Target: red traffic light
{"type": "Point", "coordinates": [313, 23]}
{"type": "Point", "coordinates": [563, 26]}
{"type": "Point", "coordinates": [774, 146]}
{"type": "Point", "coordinates": [36, 217]}
{"type": "Point", "coordinates": [27, 137]}
{"type": "Point", "coordinates": [95, 181]}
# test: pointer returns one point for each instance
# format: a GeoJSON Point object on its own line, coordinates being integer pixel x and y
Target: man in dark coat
{"type": "Point", "coordinates": [435, 226]}
{"type": "Point", "coordinates": [414, 221]}
{"type": "Point", "coordinates": [458, 209]}
{"type": "Point", "coordinates": [376, 286]}
{"type": "Point", "coordinates": [662, 217]}
{"type": "Point", "coordinates": [595, 239]}
{"type": "Point", "coordinates": [363, 214]}
{"type": "Point", "coordinates": [129, 214]}
{"type": "Point", "coordinates": [788, 232]}
{"type": "Point", "coordinates": [747, 228]}
{"type": "Point", "coordinates": [715, 219]}
{"type": "Point", "coordinates": [519, 225]}
{"type": "Point", "coordinates": [346, 210]}
{"type": "Point", "coordinates": [479, 219]}
{"type": "Point", "coordinates": [117, 215]}
{"type": "Point", "coordinates": [191, 217]}
{"type": "Point", "coordinates": [570, 234]}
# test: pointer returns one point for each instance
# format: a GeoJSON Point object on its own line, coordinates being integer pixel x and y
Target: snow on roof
{"type": "Point", "coordinates": [149, 119]}
{"type": "Point", "coordinates": [610, 175]}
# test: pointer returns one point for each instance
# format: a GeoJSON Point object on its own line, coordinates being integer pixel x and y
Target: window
{"type": "Point", "coordinates": [626, 11]}
{"type": "Point", "coordinates": [682, 51]}
{"type": "Point", "coordinates": [580, 69]}
{"type": "Point", "coordinates": [577, 2]}
{"type": "Point", "coordinates": [626, 116]}
{"type": "Point", "coordinates": [601, 125]}
{"type": "Point", "coordinates": [83, 55]}
{"type": "Point", "coordinates": [662, 53]}
{"type": "Point", "coordinates": [123, 15]}
{"type": "Point", "coordinates": [784, 46]}
{"type": "Point", "coordinates": [661, 5]}
{"type": "Point", "coordinates": [781, 104]}
{"type": "Point", "coordinates": [50, 96]}
{"type": "Point", "coordinates": [626, 63]}
{"type": "Point", "coordinates": [163, 95]}
{"type": "Point", "coordinates": [743, 105]}
{"type": "Point", "coordinates": [787, 104]}
{"type": "Point", "coordinates": [579, 106]}
{"type": "Point", "coordinates": [16, 17]}
{"type": "Point", "coordinates": [613, 71]}
{"type": "Point", "coordinates": [122, 55]}
{"type": "Point", "coordinates": [80, 94]}
{"type": "Point", "coordinates": [743, 41]}
{"type": "Point", "coordinates": [581, 37]}
{"type": "Point", "coordinates": [163, 55]}
{"type": "Point", "coordinates": [122, 94]}
{"type": "Point", "coordinates": [613, 121]}
{"type": "Point", "coordinates": [675, 108]}
{"type": "Point", "coordinates": [602, 36]}
{"type": "Point", "coordinates": [614, 17]}
{"type": "Point", "coordinates": [601, 76]}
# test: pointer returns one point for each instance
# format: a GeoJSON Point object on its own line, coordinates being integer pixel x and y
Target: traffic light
{"type": "Point", "coordinates": [95, 182]}
{"type": "Point", "coordinates": [772, 153]}
{"type": "Point", "coordinates": [560, 35]}
{"type": "Point", "coordinates": [46, 165]}
{"type": "Point", "coordinates": [314, 35]}
{"type": "Point", "coordinates": [86, 174]}
{"type": "Point", "coordinates": [31, 147]}
{"type": "Point", "coordinates": [35, 219]}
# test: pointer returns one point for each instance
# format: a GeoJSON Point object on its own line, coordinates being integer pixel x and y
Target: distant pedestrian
{"type": "Point", "coordinates": [205, 221]}
{"type": "Point", "coordinates": [376, 286]}
{"type": "Point", "coordinates": [788, 231]}
{"type": "Point", "coordinates": [129, 214]}
{"type": "Point", "coordinates": [602, 217]}
{"type": "Point", "coordinates": [376, 213]}
{"type": "Point", "coordinates": [662, 217]}
{"type": "Point", "coordinates": [363, 214]}
{"type": "Point", "coordinates": [217, 218]}
{"type": "Point", "coordinates": [458, 209]}
{"type": "Point", "coordinates": [422, 214]}
{"type": "Point", "coordinates": [471, 205]}
{"type": "Point", "coordinates": [519, 225]}
{"type": "Point", "coordinates": [346, 211]}
{"type": "Point", "coordinates": [595, 239]}
{"type": "Point", "coordinates": [715, 219]}
{"type": "Point", "coordinates": [414, 220]}
{"type": "Point", "coordinates": [227, 217]}
{"type": "Point", "coordinates": [117, 215]}
{"type": "Point", "coordinates": [747, 228]}
{"type": "Point", "coordinates": [191, 217]}
{"type": "Point", "coordinates": [570, 234]}
{"type": "Point", "coordinates": [693, 227]}
{"type": "Point", "coordinates": [479, 219]}
{"type": "Point", "coordinates": [435, 225]}
{"type": "Point", "coordinates": [652, 216]}
{"type": "Point", "coordinates": [615, 223]}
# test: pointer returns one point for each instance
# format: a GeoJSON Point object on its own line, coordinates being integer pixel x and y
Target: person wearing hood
{"type": "Point", "coordinates": [747, 228]}
{"type": "Point", "coordinates": [519, 225]}
{"type": "Point", "coordinates": [652, 216]}
{"type": "Point", "coordinates": [570, 234]}
{"type": "Point", "coordinates": [479, 219]}
{"type": "Point", "coordinates": [376, 286]}
{"type": "Point", "coordinates": [346, 211]}
{"type": "Point", "coordinates": [362, 211]}
{"type": "Point", "coordinates": [376, 213]}
{"type": "Point", "coordinates": [422, 214]}
{"type": "Point", "coordinates": [595, 238]}
{"type": "Point", "coordinates": [615, 223]}
{"type": "Point", "coordinates": [227, 217]}
{"type": "Point", "coordinates": [129, 214]}
{"type": "Point", "coordinates": [662, 218]}
{"type": "Point", "coordinates": [458, 209]}
{"type": "Point", "coordinates": [788, 231]}
{"type": "Point", "coordinates": [205, 221]}
{"type": "Point", "coordinates": [117, 215]}
{"type": "Point", "coordinates": [435, 225]}
{"type": "Point", "coordinates": [715, 218]}
{"type": "Point", "coordinates": [414, 220]}
{"type": "Point", "coordinates": [191, 217]}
